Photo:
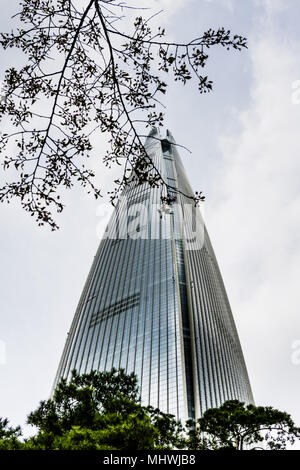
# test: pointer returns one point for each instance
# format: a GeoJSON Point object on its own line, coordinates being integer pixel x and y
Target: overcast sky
{"type": "Point", "coordinates": [244, 139]}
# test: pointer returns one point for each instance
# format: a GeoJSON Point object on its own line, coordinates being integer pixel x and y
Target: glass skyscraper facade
{"type": "Point", "coordinates": [154, 302]}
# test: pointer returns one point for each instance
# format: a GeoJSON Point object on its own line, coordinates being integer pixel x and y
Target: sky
{"type": "Point", "coordinates": [245, 149]}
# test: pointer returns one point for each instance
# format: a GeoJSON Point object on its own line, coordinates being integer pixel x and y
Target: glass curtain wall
{"type": "Point", "coordinates": [154, 302]}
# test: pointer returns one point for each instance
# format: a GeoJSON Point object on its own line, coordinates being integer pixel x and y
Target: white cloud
{"type": "Point", "coordinates": [272, 5]}
{"type": "Point", "coordinates": [174, 4]}
{"type": "Point", "coordinates": [255, 219]}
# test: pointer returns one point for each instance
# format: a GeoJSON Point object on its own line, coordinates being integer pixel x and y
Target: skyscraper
{"type": "Point", "coordinates": [154, 301]}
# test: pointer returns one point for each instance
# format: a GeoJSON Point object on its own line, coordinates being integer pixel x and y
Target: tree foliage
{"type": "Point", "coordinates": [235, 425]}
{"type": "Point", "coordinates": [85, 75]}
{"type": "Point", "coordinates": [101, 410]}
{"type": "Point", "coordinates": [9, 436]}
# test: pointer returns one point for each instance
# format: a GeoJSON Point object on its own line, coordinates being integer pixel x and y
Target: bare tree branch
{"type": "Point", "coordinates": [97, 78]}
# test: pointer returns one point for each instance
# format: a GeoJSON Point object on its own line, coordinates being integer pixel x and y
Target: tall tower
{"type": "Point", "coordinates": [154, 301]}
